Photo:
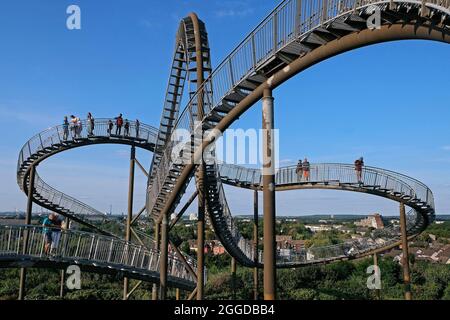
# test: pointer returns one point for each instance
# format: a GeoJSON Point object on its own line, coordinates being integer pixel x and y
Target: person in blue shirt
{"type": "Point", "coordinates": [65, 129]}
{"type": "Point", "coordinates": [47, 231]}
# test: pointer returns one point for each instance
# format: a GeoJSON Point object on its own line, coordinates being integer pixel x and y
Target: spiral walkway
{"type": "Point", "coordinates": [53, 141]}
{"type": "Point", "coordinates": [375, 181]}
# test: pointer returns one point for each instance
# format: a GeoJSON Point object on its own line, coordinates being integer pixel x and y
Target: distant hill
{"type": "Point", "coordinates": [338, 217]}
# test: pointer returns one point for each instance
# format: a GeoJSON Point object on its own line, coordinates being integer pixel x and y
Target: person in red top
{"type": "Point", "coordinates": [119, 124]}
{"type": "Point", "coordinates": [306, 168]}
{"type": "Point", "coordinates": [359, 164]}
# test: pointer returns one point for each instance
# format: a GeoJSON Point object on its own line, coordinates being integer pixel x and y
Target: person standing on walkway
{"type": "Point", "coordinates": [65, 129]}
{"type": "Point", "coordinates": [299, 170]}
{"type": "Point", "coordinates": [110, 127]}
{"type": "Point", "coordinates": [90, 124]}
{"type": "Point", "coordinates": [79, 127]}
{"type": "Point", "coordinates": [306, 169]}
{"type": "Point", "coordinates": [119, 124]}
{"type": "Point", "coordinates": [56, 234]}
{"type": "Point", "coordinates": [138, 125]}
{"type": "Point", "coordinates": [359, 164]}
{"type": "Point", "coordinates": [126, 128]}
{"type": "Point", "coordinates": [47, 231]}
{"type": "Point", "coordinates": [73, 126]}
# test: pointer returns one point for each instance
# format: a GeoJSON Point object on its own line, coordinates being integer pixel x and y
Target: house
{"type": "Point", "coordinates": [286, 242]}
{"type": "Point", "coordinates": [375, 221]}
{"type": "Point", "coordinates": [318, 228]}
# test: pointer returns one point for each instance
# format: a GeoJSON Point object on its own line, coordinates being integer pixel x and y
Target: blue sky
{"type": "Point", "coordinates": [389, 102]}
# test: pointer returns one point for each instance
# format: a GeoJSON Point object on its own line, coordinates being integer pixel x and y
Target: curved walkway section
{"type": "Point", "coordinates": [92, 252]}
{"type": "Point", "coordinates": [58, 139]}
{"type": "Point", "coordinates": [376, 181]}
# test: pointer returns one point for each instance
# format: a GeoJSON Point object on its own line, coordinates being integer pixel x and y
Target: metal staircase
{"type": "Point", "coordinates": [164, 174]}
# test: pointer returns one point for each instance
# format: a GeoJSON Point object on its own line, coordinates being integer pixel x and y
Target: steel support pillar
{"type": "Point", "coordinates": [177, 294]}
{"type": "Point", "coordinates": [405, 253]}
{"type": "Point", "coordinates": [164, 251]}
{"type": "Point", "coordinates": [61, 287]}
{"type": "Point", "coordinates": [256, 244]}
{"type": "Point", "coordinates": [201, 233]}
{"type": "Point", "coordinates": [157, 244]}
{"type": "Point", "coordinates": [63, 271]}
{"type": "Point", "coordinates": [269, 196]}
{"type": "Point", "coordinates": [233, 278]}
{"type": "Point", "coordinates": [28, 216]}
{"type": "Point", "coordinates": [201, 174]}
{"type": "Point", "coordinates": [375, 263]}
{"type": "Point", "coordinates": [130, 212]}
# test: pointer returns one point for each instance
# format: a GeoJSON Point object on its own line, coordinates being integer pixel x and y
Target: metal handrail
{"type": "Point", "coordinates": [334, 172]}
{"type": "Point", "coordinates": [58, 135]}
{"type": "Point", "coordinates": [326, 173]}
{"type": "Point", "coordinates": [289, 21]}
{"type": "Point", "coordinates": [83, 246]}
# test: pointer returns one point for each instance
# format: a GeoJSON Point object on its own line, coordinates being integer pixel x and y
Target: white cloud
{"type": "Point", "coordinates": [234, 12]}
{"type": "Point", "coordinates": [28, 117]}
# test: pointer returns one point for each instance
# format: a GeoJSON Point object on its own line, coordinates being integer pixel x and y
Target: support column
{"type": "Point", "coordinates": [201, 233]}
{"type": "Point", "coordinates": [157, 243]}
{"type": "Point", "coordinates": [130, 212]}
{"type": "Point", "coordinates": [375, 263]}
{"type": "Point", "coordinates": [269, 196]}
{"type": "Point", "coordinates": [177, 294]}
{"type": "Point", "coordinates": [63, 279]}
{"type": "Point", "coordinates": [201, 169]}
{"type": "Point", "coordinates": [233, 278]}
{"type": "Point", "coordinates": [256, 244]}
{"type": "Point", "coordinates": [63, 271]}
{"type": "Point", "coordinates": [405, 253]}
{"type": "Point", "coordinates": [23, 271]}
{"type": "Point", "coordinates": [163, 259]}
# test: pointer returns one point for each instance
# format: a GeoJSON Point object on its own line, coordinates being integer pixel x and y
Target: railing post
{"type": "Point", "coordinates": [298, 17]}
{"type": "Point", "coordinates": [254, 51]}
{"type": "Point", "coordinates": [275, 32]}
{"type": "Point", "coordinates": [23, 271]}
{"type": "Point", "coordinates": [231, 72]}
{"type": "Point", "coordinates": [324, 11]}
{"type": "Point", "coordinates": [405, 253]}
{"type": "Point", "coordinates": [269, 196]}
{"type": "Point", "coordinates": [92, 247]}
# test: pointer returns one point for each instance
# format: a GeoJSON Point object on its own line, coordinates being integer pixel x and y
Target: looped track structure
{"type": "Point", "coordinates": [53, 141]}
{"type": "Point", "coordinates": [294, 36]}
